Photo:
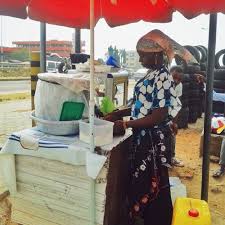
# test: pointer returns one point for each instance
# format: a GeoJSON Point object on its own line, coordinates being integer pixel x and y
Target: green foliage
{"type": "Point", "coordinates": [21, 55]}
{"type": "Point", "coordinates": [15, 72]}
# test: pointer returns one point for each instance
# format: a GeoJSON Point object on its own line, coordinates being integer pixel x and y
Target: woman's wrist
{"type": "Point", "coordinates": [128, 124]}
{"type": "Point", "coordinates": [125, 125]}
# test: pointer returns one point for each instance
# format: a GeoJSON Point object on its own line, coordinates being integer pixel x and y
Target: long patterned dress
{"type": "Point", "coordinates": [151, 150]}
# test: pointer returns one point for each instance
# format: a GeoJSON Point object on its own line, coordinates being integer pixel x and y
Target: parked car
{"type": "Point", "coordinates": [52, 66]}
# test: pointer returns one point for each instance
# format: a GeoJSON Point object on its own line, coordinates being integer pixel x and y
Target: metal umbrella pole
{"type": "Point", "coordinates": [208, 104]}
{"type": "Point", "coordinates": [77, 40]}
{"type": "Point", "coordinates": [43, 47]}
{"type": "Point", "coordinates": [2, 42]}
{"type": "Point", "coordinates": [91, 110]}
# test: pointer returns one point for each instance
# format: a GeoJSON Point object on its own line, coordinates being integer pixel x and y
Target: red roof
{"type": "Point", "coordinates": [47, 42]}
{"type": "Point", "coordinates": [9, 49]}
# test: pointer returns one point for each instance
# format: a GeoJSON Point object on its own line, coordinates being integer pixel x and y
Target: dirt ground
{"type": "Point", "coordinates": [187, 149]}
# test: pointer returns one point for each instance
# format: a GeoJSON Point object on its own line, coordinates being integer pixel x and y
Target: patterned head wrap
{"type": "Point", "coordinates": [157, 41]}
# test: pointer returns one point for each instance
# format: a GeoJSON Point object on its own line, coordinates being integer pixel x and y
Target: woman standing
{"type": "Point", "coordinates": [155, 105]}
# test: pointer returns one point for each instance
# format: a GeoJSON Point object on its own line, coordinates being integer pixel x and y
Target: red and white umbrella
{"type": "Point", "coordinates": [76, 13]}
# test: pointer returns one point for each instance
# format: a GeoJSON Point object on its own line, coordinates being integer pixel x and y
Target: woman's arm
{"type": "Point", "coordinates": [157, 116]}
{"type": "Point", "coordinates": [123, 112]}
{"type": "Point", "coordinates": [118, 115]}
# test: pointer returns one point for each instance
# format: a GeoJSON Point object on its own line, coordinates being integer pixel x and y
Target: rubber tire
{"type": "Point", "coordinates": [219, 90]}
{"type": "Point", "coordinates": [203, 54]}
{"type": "Point", "coordinates": [218, 107]}
{"type": "Point", "coordinates": [185, 78]}
{"type": "Point", "coordinates": [219, 74]}
{"type": "Point", "coordinates": [186, 86]}
{"type": "Point", "coordinates": [206, 50]}
{"type": "Point", "coordinates": [219, 84]}
{"type": "Point", "coordinates": [217, 58]}
{"type": "Point", "coordinates": [203, 66]}
{"type": "Point", "coordinates": [193, 86]}
{"type": "Point", "coordinates": [193, 117]}
{"type": "Point", "coordinates": [185, 102]}
{"type": "Point", "coordinates": [191, 68]}
{"type": "Point", "coordinates": [182, 120]}
{"type": "Point", "coordinates": [194, 51]}
{"type": "Point", "coordinates": [223, 60]}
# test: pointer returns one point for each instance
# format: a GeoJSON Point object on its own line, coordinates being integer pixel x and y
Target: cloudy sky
{"type": "Point", "coordinates": [191, 32]}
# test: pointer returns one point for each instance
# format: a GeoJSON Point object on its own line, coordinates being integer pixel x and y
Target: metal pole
{"type": "Point", "coordinates": [208, 109]}
{"type": "Point", "coordinates": [91, 110]}
{"type": "Point", "coordinates": [43, 47]}
{"type": "Point", "coordinates": [77, 40]}
{"type": "Point", "coordinates": [35, 69]}
{"type": "Point", "coordinates": [1, 42]}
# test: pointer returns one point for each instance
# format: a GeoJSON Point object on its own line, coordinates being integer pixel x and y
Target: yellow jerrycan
{"type": "Point", "coordinates": [189, 211]}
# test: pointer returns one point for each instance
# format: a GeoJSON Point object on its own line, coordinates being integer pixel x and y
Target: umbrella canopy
{"type": "Point", "coordinates": [73, 13]}
{"type": "Point", "coordinates": [15, 8]}
{"type": "Point", "coordinates": [193, 8]}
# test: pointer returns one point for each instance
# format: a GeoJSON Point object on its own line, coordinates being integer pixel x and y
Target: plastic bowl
{"type": "Point", "coordinates": [56, 127]}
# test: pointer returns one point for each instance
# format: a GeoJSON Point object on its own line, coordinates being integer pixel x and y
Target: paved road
{"type": "Point", "coordinates": [14, 86]}
{"type": "Point", "coordinates": [14, 116]}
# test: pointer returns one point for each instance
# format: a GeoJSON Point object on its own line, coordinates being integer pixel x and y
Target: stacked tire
{"type": "Point", "coordinates": [194, 100]}
{"type": "Point", "coordinates": [193, 91]}
{"type": "Point", "coordinates": [183, 115]}
{"type": "Point", "coordinates": [219, 80]}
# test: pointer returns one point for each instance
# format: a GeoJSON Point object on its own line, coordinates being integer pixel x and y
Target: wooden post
{"type": "Point", "coordinates": [35, 69]}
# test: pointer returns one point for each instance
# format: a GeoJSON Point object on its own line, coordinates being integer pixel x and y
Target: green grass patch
{"type": "Point", "coordinates": [14, 96]}
{"type": "Point", "coordinates": [13, 78]}
{"type": "Point", "coordinates": [15, 72]}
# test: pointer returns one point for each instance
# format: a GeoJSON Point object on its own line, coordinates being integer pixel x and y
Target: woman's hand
{"type": "Point", "coordinates": [118, 115]}
{"type": "Point", "coordinates": [112, 117]}
{"type": "Point", "coordinates": [118, 128]}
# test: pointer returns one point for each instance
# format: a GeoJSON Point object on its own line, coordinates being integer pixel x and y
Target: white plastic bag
{"type": "Point", "coordinates": [49, 99]}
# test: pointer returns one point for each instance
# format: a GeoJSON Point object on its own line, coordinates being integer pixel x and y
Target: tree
{"type": "Point", "coordinates": [110, 50]}
{"type": "Point", "coordinates": [21, 55]}
{"type": "Point", "coordinates": [116, 54]}
{"type": "Point", "coordinates": [123, 55]}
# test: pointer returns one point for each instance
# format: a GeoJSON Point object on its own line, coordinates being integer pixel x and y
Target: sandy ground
{"type": "Point", "coordinates": [187, 149]}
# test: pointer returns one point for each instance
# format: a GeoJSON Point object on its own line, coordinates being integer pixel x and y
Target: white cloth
{"type": "Point", "coordinates": [75, 82]}
{"type": "Point", "coordinates": [218, 97]}
{"type": "Point", "coordinates": [67, 149]}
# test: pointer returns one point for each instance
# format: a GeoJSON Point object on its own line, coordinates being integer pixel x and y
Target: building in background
{"type": "Point", "coordinates": [83, 44]}
{"type": "Point", "coordinates": [132, 60]}
{"type": "Point", "coordinates": [62, 48]}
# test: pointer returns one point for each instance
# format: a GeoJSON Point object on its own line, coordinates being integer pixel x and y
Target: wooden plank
{"type": "Point", "coordinates": [54, 189]}
{"type": "Point", "coordinates": [52, 166]}
{"type": "Point", "coordinates": [45, 213]}
{"type": "Point", "coordinates": [63, 178]}
{"type": "Point", "coordinates": [80, 203]}
{"type": "Point", "coordinates": [7, 173]}
{"type": "Point", "coordinates": [27, 219]}
{"type": "Point", "coordinates": [28, 199]}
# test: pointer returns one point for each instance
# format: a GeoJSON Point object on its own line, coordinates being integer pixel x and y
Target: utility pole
{"type": "Point", "coordinates": [1, 42]}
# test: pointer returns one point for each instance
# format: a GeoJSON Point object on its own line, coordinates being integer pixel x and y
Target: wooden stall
{"type": "Point", "coordinates": [50, 192]}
